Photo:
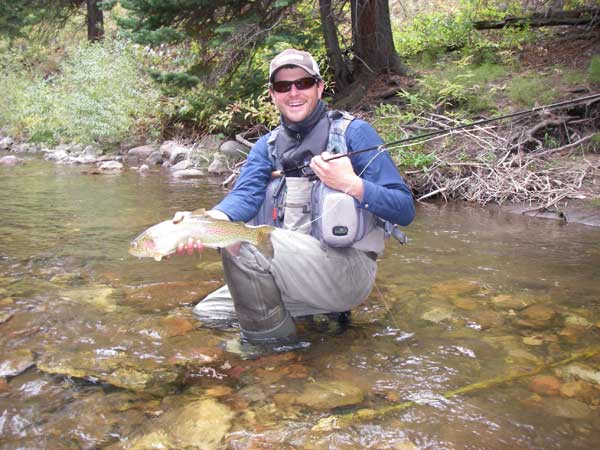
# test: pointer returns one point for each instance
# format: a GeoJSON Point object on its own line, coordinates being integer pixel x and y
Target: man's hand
{"type": "Point", "coordinates": [191, 245]}
{"type": "Point", "coordinates": [338, 174]}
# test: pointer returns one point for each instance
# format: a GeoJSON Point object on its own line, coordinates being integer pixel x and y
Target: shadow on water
{"type": "Point", "coordinates": [100, 350]}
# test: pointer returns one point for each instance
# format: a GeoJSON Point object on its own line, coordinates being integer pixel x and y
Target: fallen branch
{"type": "Point", "coordinates": [340, 420]}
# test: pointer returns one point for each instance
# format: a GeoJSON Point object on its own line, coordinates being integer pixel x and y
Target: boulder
{"type": "Point", "coordinates": [111, 166]}
{"type": "Point", "coordinates": [326, 395]}
{"type": "Point", "coordinates": [211, 141]}
{"type": "Point", "coordinates": [188, 173]}
{"type": "Point", "coordinates": [234, 149]}
{"type": "Point", "coordinates": [6, 143]}
{"type": "Point", "coordinates": [219, 165]}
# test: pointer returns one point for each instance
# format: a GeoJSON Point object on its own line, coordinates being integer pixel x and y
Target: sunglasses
{"type": "Point", "coordinates": [301, 84]}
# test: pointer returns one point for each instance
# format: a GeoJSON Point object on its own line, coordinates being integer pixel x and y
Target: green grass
{"type": "Point", "coordinates": [594, 70]}
{"type": "Point", "coordinates": [531, 90]}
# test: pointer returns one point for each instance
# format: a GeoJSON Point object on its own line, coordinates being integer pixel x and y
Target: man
{"type": "Point", "coordinates": [319, 265]}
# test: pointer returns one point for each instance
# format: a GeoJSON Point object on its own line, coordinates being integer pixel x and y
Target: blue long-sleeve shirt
{"type": "Point", "coordinates": [385, 193]}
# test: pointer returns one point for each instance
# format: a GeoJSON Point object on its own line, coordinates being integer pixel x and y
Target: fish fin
{"type": "Point", "coordinates": [157, 257]}
{"type": "Point", "coordinates": [264, 243]}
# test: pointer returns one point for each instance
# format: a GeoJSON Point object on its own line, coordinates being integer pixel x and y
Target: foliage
{"type": "Point", "coordinates": [594, 69]}
{"type": "Point", "coordinates": [388, 119]}
{"type": "Point", "coordinates": [461, 85]}
{"type": "Point", "coordinates": [245, 113]}
{"type": "Point", "coordinates": [431, 35]}
{"type": "Point", "coordinates": [99, 96]}
{"type": "Point", "coordinates": [531, 90]}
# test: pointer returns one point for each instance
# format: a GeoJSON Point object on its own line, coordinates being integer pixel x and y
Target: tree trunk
{"type": "Point", "coordinates": [95, 21]}
{"type": "Point", "coordinates": [372, 38]}
{"type": "Point", "coordinates": [589, 17]}
{"type": "Point", "coordinates": [341, 72]}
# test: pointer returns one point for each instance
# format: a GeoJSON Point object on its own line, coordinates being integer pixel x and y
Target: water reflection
{"type": "Point", "coordinates": [99, 350]}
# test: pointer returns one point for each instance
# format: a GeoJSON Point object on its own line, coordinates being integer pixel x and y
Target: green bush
{"type": "Point", "coordinates": [100, 95]}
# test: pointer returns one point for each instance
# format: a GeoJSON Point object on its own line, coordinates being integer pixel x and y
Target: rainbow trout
{"type": "Point", "coordinates": [162, 239]}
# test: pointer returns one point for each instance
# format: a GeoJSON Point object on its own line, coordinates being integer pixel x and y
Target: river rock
{"type": "Point", "coordinates": [584, 372]}
{"type": "Point", "coordinates": [10, 160]}
{"type": "Point", "coordinates": [182, 165]}
{"type": "Point", "coordinates": [219, 165]}
{"type": "Point", "coordinates": [141, 152]}
{"type": "Point", "coordinates": [488, 319]}
{"type": "Point", "coordinates": [545, 385]}
{"type": "Point", "coordinates": [199, 424]}
{"type": "Point", "coordinates": [58, 154]}
{"type": "Point", "coordinates": [3, 386]}
{"type": "Point", "coordinates": [16, 362]}
{"type": "Point", "coordinates": [506, 301]}
{"type": "Point", "coordinates": [101, 297]}
{"type": "Point", "coordinates": [119, 369]}
{"type": "Point", "coordinates": [111, 166]}
{"type": "Point", "coordinates": [537, 317]}
{"type": "Point", "coordinates": [438, 314]}
{"type": "Point", "coordinates": [154, 159]}
{"type": "Point", "coordinates": [454, 288]}
{"type": "Point", "coordinates": [326, 395]}
{"type": "Point", "coordinates": [6, 143]}
{"type": "Point", "coordinates": [234, 149]}
{"type": "Point", "coordinates": [188, 173]}
{"type": "Point", "coordinates": [174, 152]}
{"type": "Point", "coordinates": [579, 390]}
{"type": "Point", "coordinates": [566, 408]}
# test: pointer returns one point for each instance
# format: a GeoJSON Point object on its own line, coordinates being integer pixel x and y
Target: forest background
{"type": "Point", "coordinates": [123, 73]}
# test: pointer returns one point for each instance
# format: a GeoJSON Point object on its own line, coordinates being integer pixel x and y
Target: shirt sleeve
{"type": "Point", "coordinates": [386, 194]}
{"type": "Point", "coordinates": [248, 193]}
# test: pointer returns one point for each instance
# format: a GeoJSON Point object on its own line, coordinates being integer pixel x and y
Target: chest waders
{"type": "Point", "coordinates": [261, 313]}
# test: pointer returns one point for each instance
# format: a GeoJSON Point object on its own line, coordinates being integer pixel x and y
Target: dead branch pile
{"type": "Point", "coordinates": [517, 162]}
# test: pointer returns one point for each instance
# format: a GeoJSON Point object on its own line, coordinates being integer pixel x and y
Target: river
{"type": "Point", "coordinates": [99, 350]}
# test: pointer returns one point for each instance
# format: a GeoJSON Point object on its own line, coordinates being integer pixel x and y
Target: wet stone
{"type": "Point", "coordinates": [454, 288]}
{"type": "Point", "coordinates": [507, 301]}
{"type": "Point", "coordinates": [101, 297]}
{"type": "Point", "coordinates": [437, 315]}
{"type": "Point", "coordinates": [16, 362]}
{"type": "Point", "coordinates": [545, 385]}
{"type": "Point", "coordinates": [3, 386]}
{"type": "Point", "coordinates": [579, 390]}
{"type": "Point", "coordinates": [197, 425]}
{"type": "Point", "coordinates": [177, 326]}
{"type": "Point", "coordinates": [537, 316]}
{"type": "Point", "coordinates": [584, 372]}
{"type": "Point", "coordinates": [566, 408]}
{"type": "Point", "coordinates": [326, 395]}
{"type": "Point", "coordinates": [467, 304]}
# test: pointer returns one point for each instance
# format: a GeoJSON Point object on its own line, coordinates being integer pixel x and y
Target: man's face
{"type": "Point", "coordinates": [296, 105]}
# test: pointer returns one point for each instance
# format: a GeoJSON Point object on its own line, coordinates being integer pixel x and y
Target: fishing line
{"type": "Point", "coordinates": [449, 131]}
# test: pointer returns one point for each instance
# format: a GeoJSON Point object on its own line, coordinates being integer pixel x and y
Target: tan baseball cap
{"type": "Point", "coordinates": [293, 57]}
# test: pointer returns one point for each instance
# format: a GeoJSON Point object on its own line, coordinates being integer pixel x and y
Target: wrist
{"type": "Point", "coordinates": [356, 189]}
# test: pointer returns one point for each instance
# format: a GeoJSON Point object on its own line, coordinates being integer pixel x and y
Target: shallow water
{"type": "Point", "coordinates": [100, 350]}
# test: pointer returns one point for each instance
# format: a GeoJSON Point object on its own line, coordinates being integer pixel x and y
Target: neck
{"type": "Point", "coordinates": [307, 124]}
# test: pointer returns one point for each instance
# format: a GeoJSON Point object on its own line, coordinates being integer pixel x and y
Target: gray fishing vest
{"type": "Point", "coordinates": [308, 206]}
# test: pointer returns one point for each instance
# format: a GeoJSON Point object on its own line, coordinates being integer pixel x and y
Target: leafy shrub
{"type": "Point", "coordinates": [99, 95]}
{"type": "Point", "coordinates": [244, 113]}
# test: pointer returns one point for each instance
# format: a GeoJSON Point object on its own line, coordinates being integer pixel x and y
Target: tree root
{"type": "Point", "coordinates": [341, 420]}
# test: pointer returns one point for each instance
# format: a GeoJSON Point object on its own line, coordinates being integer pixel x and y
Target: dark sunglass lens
{"type": "Point", "coordinates": [282, 86]}
{"type": "Point", "coordinates": [305, 83]}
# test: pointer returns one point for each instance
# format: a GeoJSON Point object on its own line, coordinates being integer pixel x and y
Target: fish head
{"type": "Point", "coordinates": [144, 246]}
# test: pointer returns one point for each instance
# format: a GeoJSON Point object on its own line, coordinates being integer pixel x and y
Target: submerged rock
{"type": "Point", "coordinates": [99, 296]}
{"type": "Point", "coordinates": [326, 395]}
{"type": "Point", "coordinates": [16, 362]}
{"type": "Point", "coordinates": [118, 369]}
{"type": "Point", "coordinates": [199, 424]}
{"type": "Point", "coordinates": [584, 372]}
{"type": "Point", "coordinates": [566, 408]}
{"type": "Point", "coordinates": [10, 160]}
{"type": "Point", "coordinates": [545, 385]}
{"type": "Point", "coordinates": [506, 301]}
{"type": "Point", "coordinates": [437, 315]}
